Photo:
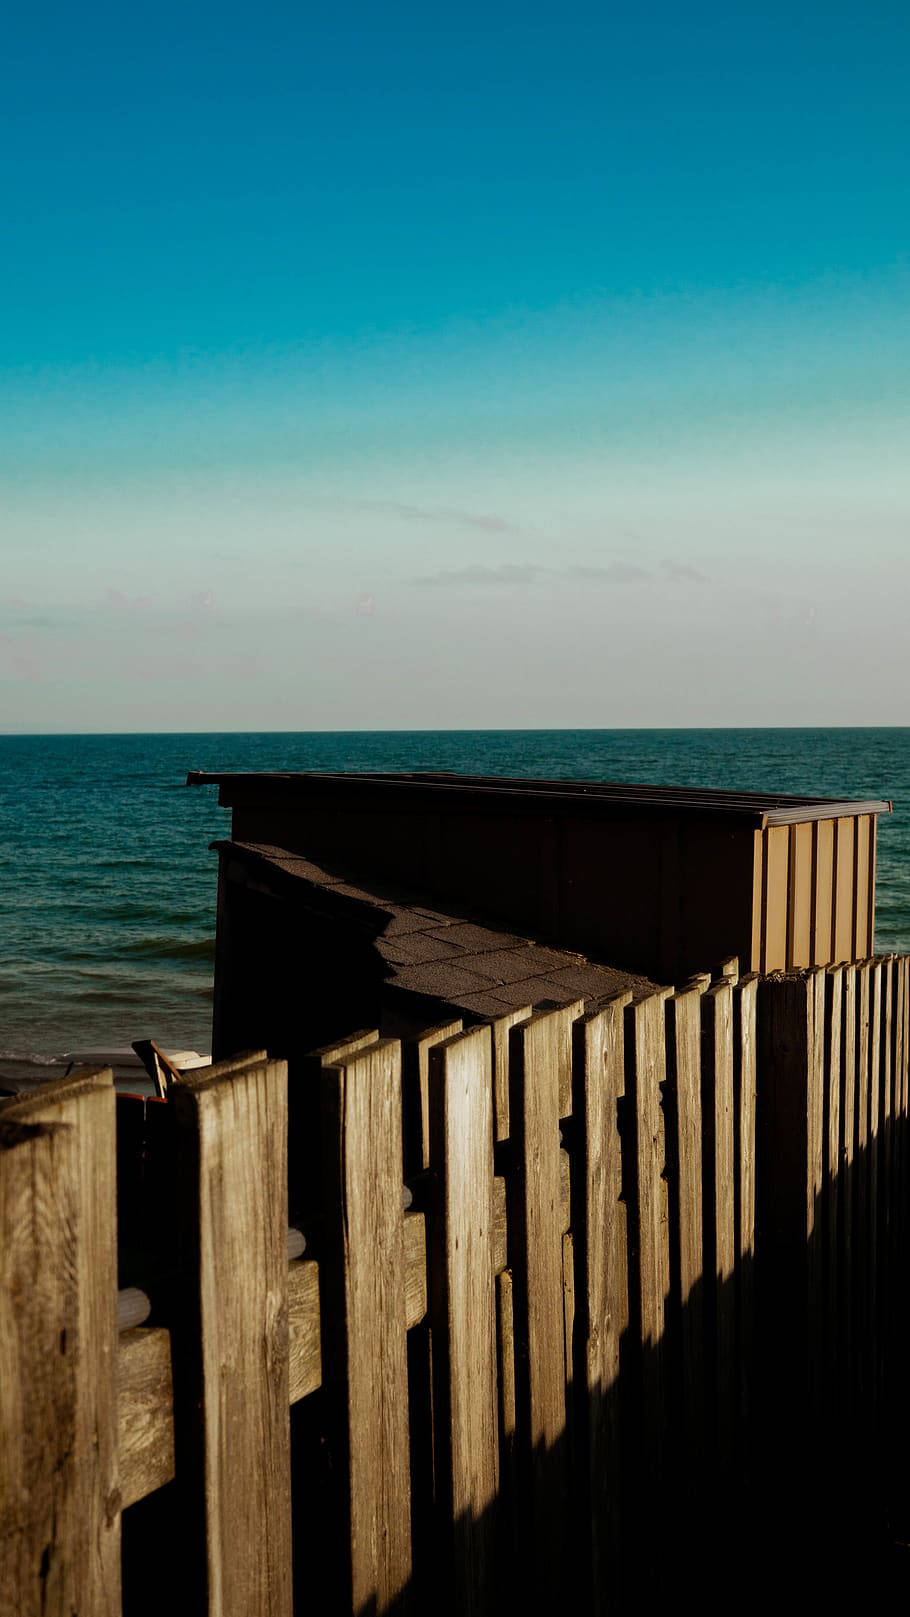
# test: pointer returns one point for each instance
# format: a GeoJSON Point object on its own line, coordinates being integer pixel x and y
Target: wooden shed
{"type": "Point", "coordinates": [657, 879]}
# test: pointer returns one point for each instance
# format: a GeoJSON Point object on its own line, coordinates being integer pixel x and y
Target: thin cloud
{"type": "Point", "coordinates": [485, 521]}
{"type": "Point", "coordinates": [617, 572]}
{"type": "Point", "coordinates": [127, 603]}
{"type": "Point", "coordinates": [509, 573]}
{"type": "Point", "coordinates": [680, 573]}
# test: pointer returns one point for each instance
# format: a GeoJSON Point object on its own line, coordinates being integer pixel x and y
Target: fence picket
{"type": "Point", "coordinates": [364, 1353]}
{"type": "Point", "coordinates": [58, 1351]}
{"type": "Point", "coordinates": [463, 1314]}
{"type": "Point", "coordinates": [540, 1078]}
{"type": "Point", "coordinates": [718, 1109]}
{"type": "Point", "coordinates": [683, 1113]}
{"type": "Point", "coordinates": [231, 1351]}
{"type": "Point", "coordinates": [603, 1293]}
{"type": "Point", "coordinates": [649, 1247]}
{"type": "Point", "coordinates": [745, 1101]}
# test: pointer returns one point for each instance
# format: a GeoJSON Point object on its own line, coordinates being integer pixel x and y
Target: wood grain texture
{"type": "Point", "coordinates": [505, 1366]}
{"type": "Point", "coordinates": [861, 1295]}
{"type": "Point", "coordinates": [60, 1499]}
{"type": "Point", "coordinates": [775, 902]}
{"type": "Point", "coordinates": [501, 1028]}
{"type": "Point", "coordinates": [876, 1074]}
{"type": "Point", "coordinates": [463, 1312]}
{"type": "Point", "coordinates": [304, 1329]}
{"type": "Point", "coordinates": [718, 1120]}
{"type": "Point", "coordinates": [145, 1406]}
{"type": "Point", "coordinates": [647, 1198]}
{"type": "Point", "coordinates": [846, 1195]}
{"type": "Point", "coordinates": [745, 1078]}
{"type": "Point", "coordinates": [790, 1055]}
{"type": "Point", "coordinates": [415, 1067]}
{"type": "Point", "coordinates": [364, 1324]}
{"type": "Point", "coordinates": [823, 882]}
{"type": "Point", "coordinates": [603, 1294]}
{"type": "Point", "coordinates": [305, 1165]}
{"type": "Point", "coordinates": [862, 942]}
{"type": "Point", "coordinates": [844, 889]}
{"type": "Point", "coordinates": [685, 1174]}
{"type": "Point", "coordinates": [540, 1074]}
{"type": "Point", "coordinates": [832, 1127]}
{"type": "Point", "coordinates": [232, 1386]}
{"type": "Point", "coordinates": [799, 923]}
{"type": "Point", "coordinates": [758, 887]}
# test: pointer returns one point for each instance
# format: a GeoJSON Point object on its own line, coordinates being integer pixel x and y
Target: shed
{"type": "Point", "coordinates": [659, 880]}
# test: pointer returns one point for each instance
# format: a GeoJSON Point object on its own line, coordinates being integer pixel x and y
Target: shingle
{"type": "Point", "coordinates": [413, 948]}
{"type": "Point", "coordinates": [585, 980]}
{"type": "Point", "coordinates": [438, 978]}
{"type": "Point", "coordinates": [405, 921]}
{"type": "Point", "coordinates": [481, 939]}
{"type": "Point", "coordinates": [482, 1004]}
{"type": "Point", "coordinates": [529, 991]}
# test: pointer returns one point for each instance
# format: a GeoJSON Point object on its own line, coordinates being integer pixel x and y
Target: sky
{"type": "Point", "coordinates": [406, 366]}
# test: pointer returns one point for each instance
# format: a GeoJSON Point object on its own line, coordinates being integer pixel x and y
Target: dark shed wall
{"type": "Point", "coordinates": [649, 894]}
{"type": "Point", "coordinates": [656, 880]}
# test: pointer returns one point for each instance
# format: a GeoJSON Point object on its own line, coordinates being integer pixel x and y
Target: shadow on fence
{"type": "Point", "coordinates": [639, 1336]}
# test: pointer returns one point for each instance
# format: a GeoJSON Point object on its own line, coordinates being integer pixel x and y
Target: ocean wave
{"type": "Point", "coordinates": [30, 1058]}
{"type": "Point", "coordinates": [169, 948]}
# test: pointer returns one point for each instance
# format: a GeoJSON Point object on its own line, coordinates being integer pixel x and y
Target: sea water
{"type": "Point", "coordinates": [107, 882]}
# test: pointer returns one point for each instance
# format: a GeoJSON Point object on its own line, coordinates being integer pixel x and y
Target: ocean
{"type": "Point", "coordinates": [108, 885]}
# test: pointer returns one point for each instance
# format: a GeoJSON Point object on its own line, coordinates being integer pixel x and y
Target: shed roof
{"type": "Point", "coordinates": [608, 799]}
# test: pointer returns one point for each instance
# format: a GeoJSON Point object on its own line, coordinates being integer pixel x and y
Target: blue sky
{"type": "Point", "coordinates": [525, 366]}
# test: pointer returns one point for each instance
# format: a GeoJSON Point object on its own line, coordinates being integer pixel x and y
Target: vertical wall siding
{"type": "Point", "coordinates": [814, 893]}
{"type": "Point", "coordinates": [775, 906]}
{"type": "Point", "coordinates": [799, 941]}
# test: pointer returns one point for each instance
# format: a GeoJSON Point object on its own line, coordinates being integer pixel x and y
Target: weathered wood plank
{"type": "Point", "coordinates": [231, 1349]}
{"type": "Point", "coordinates": [718, 1118]}
{"type": "Point", "coordinates": [508, 1457]}
{"type": "Point", "coordinates": [500, 1028]}
{"type": "Point", "coordinates": [790, 1053]}
{"type": "Point", "coordinates": [305, 1187]}
{"type": "Point", "coordinates": [832, 1126]}
{"type": "Point", "coordinates": [540, 1075]}
{"type": "Point", "coordinates": [650, 1275]}
{"type": "Point", "coordinates": [745, 1075]}
{"type": "Point", "coordinates": [60, 1499]}
{"type": "Point", "coordinates": [799, 925]}
{"type": "Point", "coordinates": [683, 1110]}
{"type": "Point", "coordinates": [862, 942]}
{"type": "Point", "coordinates": [463, 1313]}
{"type": "Point", "coordinates": [145, 1407]}
{"type": "Point", "coordinates": [603, 1295]}
{"type": "Point", "coordinates": [823, 881]}
{"type": "Point", "coordinates": [304, 1329]}
{"type": "Point", "coordinates": [847, 1195]}
{"type": "Point", "coordinates": [844, 888]}
{"type": "Point", "coordinates": [364, 1323]}
{"type": "Point", "coordinates": [415, 1070]}
{"type": "Point", "coordinates": [775, 904]}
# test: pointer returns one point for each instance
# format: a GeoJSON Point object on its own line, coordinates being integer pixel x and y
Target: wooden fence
{"type": "Point", "coordinates": [571, 1287]}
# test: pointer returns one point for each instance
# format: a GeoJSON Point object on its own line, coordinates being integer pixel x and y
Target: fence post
{"type": "Point", "coordinates": [683, 1109]}
{"type": "Point", "coordinates": [232, 1432]}
{"type": "Point", "coordinates": [603, 1289]}
{"type": "Point", "coordinates": [463, 1317]}
{"type": "Point", "coordinates": [364, 1322]}
{"type": "Point", "coordinates": [720, 1209]}
{"type": "Point", "coordinates": [60, 1497]}
{"type": "Point", "coordinates": [790, 1014]}
{"type": "Point", "coordinates": [540, 1058]}
{"type": "Point", "coordinates": [648, 1202]}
